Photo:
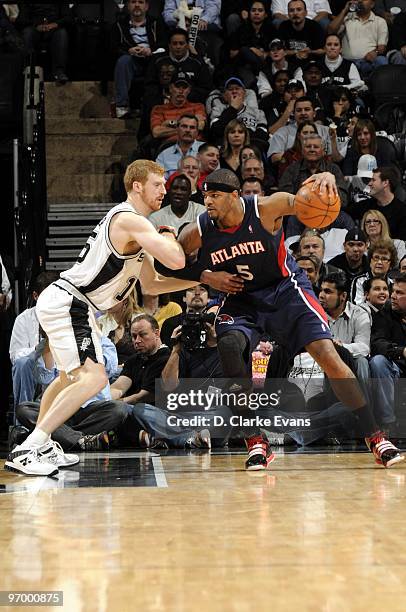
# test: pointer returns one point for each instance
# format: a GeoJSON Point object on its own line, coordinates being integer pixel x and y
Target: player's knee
{"type": "Point", "coordinates": [94, 376]}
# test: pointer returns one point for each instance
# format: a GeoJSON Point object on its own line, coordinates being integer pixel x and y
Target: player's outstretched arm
{"type": "Point", "coordinates": [154, 284]}
{"type": "Point", "coordinates": [127, 228]}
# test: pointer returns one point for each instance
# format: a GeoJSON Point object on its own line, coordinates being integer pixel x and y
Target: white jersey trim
{"type": "Point", "coordinates": [107, 235]}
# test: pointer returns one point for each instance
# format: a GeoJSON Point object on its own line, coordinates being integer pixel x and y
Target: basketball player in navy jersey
{"type": "Point", "coordinates": [117, 253]}
{"type": "Point", "coordinates": [242, 253]}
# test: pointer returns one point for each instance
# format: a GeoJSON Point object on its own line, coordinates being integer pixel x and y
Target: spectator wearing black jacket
{"type": "Point", "coordinates": [304, 37]}
{"type": "Point", "coordinates": [135, 36]}
{"type": "Point", "coordinates": [47, 22]}
{"type": "Point", "coordinates": [248, 46]}
{"type": "Point", "coordinates": [388, 350]}
{"type": "Point", "coordinates": [354, 260]}
{"type": "Point", "coordinates": [186, 60]}
{"type": "Point", "coordinates": [382, 185]}
{"type": "Point", "coordinates": [397, 34]}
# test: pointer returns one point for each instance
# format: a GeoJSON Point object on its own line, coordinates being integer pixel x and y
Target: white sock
{"type": "Point", "coordinates": [36, 438]}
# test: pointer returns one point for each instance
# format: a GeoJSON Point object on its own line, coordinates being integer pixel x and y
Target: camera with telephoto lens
{"type": "Point", "coordinates": [193, 332]}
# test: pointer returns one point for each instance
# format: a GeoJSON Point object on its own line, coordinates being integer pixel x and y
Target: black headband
{"type": "Point", "coordinates": [219, 187]}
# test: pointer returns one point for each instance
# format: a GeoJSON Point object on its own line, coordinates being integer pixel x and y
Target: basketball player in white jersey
{"type": "Point", "coordinates": [117, 253]}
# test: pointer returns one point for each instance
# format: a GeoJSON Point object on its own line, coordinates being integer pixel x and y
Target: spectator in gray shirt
{"type": "Point", "coordinates": [350, 324]}
{"type": "Point", "coordinates": [284, 138]}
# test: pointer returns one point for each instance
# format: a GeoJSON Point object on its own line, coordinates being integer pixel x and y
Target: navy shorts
{"type": "Point", "coordinates": [288, 311]}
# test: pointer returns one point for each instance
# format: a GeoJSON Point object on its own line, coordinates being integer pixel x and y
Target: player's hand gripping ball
{"type": "Point", "coordinates": [316, 209]}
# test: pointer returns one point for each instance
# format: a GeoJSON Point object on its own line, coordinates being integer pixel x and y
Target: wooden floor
{"type": "Point", "coordinates": [139, 532]}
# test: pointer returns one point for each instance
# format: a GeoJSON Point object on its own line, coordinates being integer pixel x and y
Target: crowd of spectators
{"type": "Point", "coordinates": [274, 91]}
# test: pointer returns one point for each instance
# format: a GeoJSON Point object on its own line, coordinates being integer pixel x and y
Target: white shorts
{"type": "Point", "coordinates": [71, 327]}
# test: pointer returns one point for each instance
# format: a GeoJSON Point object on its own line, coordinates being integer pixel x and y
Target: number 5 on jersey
{"type": "Point", "coordinates": [244, 272]}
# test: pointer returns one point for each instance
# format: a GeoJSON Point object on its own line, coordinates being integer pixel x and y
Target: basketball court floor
{"type": "Point", "coordinates": [322, 531]}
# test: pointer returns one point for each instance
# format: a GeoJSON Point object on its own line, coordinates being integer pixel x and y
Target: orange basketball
{"type": "Point", "coordinates": [315, 209]}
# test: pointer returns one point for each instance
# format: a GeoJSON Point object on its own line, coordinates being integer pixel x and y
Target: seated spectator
{"type": "Point", "coordinates": [248, 46]}
{"type": "Point", "coordinates": [254, 168]}
{"type": "Point", "coordinates": [135, 36]}
{"type": "Point", "coordinates": [136, 382]}
{"type": "Point", "coordinates": [311, 242]}
{"type": "Point", "coordinates": [196, 301]}
{"type": "Point", "coordinates": [158, 95]}
{"type": "Point", "coordinates": [274, 63]}
{"type": "Point", "coordinates": [234, 105]}
{"type": "Point", "coordinates": [249, 152]}
{"type": "Point", "coordinates": [25, 336]}
{"type": "Point", "coordinates": [398, 36]}
{"type": "Point", "coordinates": [366, 142]}
{"type": "Point", "coordinates": [116, 325]}
{"type": "Point", "coordinates": [359, 188]}
{"type": "Point", "coordinates": [382, 187]}
{"type": "Point", "coordinates": [209, 24]}
{"type": "Point", "coordinates": [311, 265]}
{"type": "Point", "coordinates": [336, 70]}
{"type": "Point", "coordinates": [313, 161]}
{"type": "Point", "coordinates": [201, 362]}
{"type": "Point", "coordinates": [312, 77]}
{"type": "Point", "coordinates": [402, 265]}
{"type": "Point", "coordinates": [47, 23]}
{"type": "Point", "coordinates": [354, 260]}
{"type": "Point", "coordinates": [340, 110]}
{"type": "Point", "coordinates": [304, 38]}
{"type": "Point", "coordinates": [279, 107]}
{"type": "Point", "coordinates": [165, 117]}
{"type": "Point", "coordinates": [382, 258]}
{"type": "Point", "coordinates": [190, 166]}
{"type": "Point", "coordinates": [181, 209]}
{"type": "Point", "coordinates": [316, 10]}
{"type": "Point", "coordinates": [236, 136]}
{"type": "Point", "coordinates": [252, 186]}
{"type": "Point", "coordinates": [295, 153]}
{"type": "Point", "coordinates": [349, 324]}
{"type": "Point", "coordinates": [186, 144]}
{"type": "Point", "coordinates": [388, 350]}
{"type": "Point", "coordinates": [364, 36]}
{"type": "Point", "coordinates": [376, 227]}
{"type": "Point", "coordinates": [209, 157]}
{"type": "Point", "coordinates": [376, 294]}
{"type": "Point", "coordinates": [94, 425]}
{"type": "Point", "coordinates": [185, 60]}
{"type": "Point", "coordinates": [284, 138]}
{"type": "Point", "coordinates": [234, 13]}
{"type": "Point", "coordinates": [161, 307]}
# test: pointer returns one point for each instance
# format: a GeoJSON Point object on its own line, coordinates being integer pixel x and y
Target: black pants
{"type": "Point", "coordinates": [92, 419]}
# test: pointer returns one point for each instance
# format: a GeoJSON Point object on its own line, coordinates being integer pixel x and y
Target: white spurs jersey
{"type": "Point", "coordinates": [100, 273]}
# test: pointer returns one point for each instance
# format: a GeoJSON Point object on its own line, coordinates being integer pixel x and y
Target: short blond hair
{"type": "Point", "coordinates": [139, 172]}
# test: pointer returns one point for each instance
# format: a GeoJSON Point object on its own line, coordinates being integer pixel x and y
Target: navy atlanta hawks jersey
{"type": "Point", "coordinates": [101, 274]}
{"type": "Point", "coordinates": [258, 256]}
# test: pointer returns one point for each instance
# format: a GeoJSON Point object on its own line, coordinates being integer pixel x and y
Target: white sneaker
{"type": "Point", "coordinates": [52, 452]}
{"type": "Point", "coordinates": [122, 111]}
{"type": "Point", "coordinates": [29, 461]}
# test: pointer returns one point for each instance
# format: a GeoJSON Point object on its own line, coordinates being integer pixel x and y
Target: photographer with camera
{"type": "Point", "coordinates": [194, 351]}
{"type": "Point", "coordinates": [196, 300]}
{"type": "Point", "coordinates": [365, 35]}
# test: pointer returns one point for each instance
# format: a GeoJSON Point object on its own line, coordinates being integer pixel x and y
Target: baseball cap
{"type": "Point", "coordinates": [295, 83]}
{"type": "Point", "coordinates": [311, 64]}
{"type": "Point", "coordinates": [366, 164]}
{"type": "Point", "coordinates": [181, 78]}
{"type": "Point", "coordinates": [277, 42]}
{"type": "Point", "coordinates": [355, 234]}
{"type": "Point", "coordinates": [234, 80]}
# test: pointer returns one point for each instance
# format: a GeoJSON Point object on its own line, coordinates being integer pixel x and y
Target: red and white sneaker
{"type": "Point", "coordinates": [260, 454]}
{"type": "Point", "coordinates": [384, 451]}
